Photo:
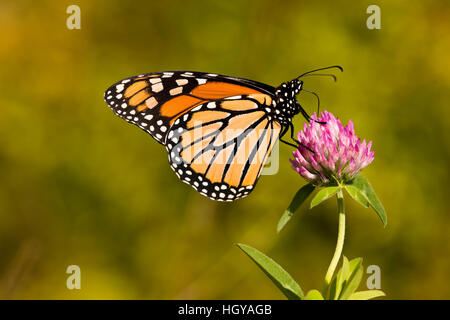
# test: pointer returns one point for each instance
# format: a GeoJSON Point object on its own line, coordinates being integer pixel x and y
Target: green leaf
{"type": "Point", "coordinates": [354, 264]}
{"type": "Point", "coordinates": [366, 295]}
{"type": "Point", "coordinates": [296, 202]}
{"type": "Point", "coordinates": [314, 295]}
{"type": "Point", "coordinates": [357, 195]}
{"type": "Point", "coordinates": [366, 190]}
{"type": "Point", "coordinates": [342, 277]}
{"type": "Point", "coordinates": [275, 272]}
{"type": "Point", "coordinates": [356, 273]}
{"type": "Point", "coordinates": [323, 194]}
{"type": "Point", "coordinates": [331, 289]}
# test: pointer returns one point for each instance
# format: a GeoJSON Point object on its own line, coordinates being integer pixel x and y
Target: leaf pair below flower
{"type": "Point", "coordinates": [359, 189]}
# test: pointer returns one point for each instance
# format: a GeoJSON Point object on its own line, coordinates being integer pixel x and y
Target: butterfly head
{"type": "Point", "coordinates": [286, 98]}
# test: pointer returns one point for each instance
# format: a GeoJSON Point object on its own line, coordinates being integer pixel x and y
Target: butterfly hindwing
{"type": "Point", "coordinates": [220, 147]}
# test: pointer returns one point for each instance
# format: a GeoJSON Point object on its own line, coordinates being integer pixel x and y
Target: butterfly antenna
{"type": "Point", "coordinates": [322, 74]}
{"type": "Point", "coordinates": [326, 68]}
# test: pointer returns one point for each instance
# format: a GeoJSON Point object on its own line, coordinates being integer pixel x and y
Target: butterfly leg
{"type": "Point", "coordinates": [288, 143]}
{"type": "Point", "coordinates": [291, 126]}
{"type": "Point", "coordinates": [298, 143]}
{"type": "Point", "coordinates": [283, 132]}
{"type": "Point", "coordinates": [306, 115]}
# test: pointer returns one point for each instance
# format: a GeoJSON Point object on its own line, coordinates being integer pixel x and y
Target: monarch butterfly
{"type": "Point", "coordinates": [218, 130]}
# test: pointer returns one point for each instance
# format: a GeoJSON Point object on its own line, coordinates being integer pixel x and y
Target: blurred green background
{"type": "Point", "coordinates": [81, 186]}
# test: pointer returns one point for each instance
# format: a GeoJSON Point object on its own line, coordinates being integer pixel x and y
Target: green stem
{"type": "Point", "coordinates": [340, 240]}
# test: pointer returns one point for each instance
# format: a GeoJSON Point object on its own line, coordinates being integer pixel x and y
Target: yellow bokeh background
{"type": "Point", "coordinates": [80, 186]}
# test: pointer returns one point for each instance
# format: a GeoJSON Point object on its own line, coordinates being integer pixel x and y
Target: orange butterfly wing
{"type": "Point", "coordinates": [217, 129]}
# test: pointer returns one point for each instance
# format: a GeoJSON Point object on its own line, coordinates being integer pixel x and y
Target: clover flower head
{"type": "Point", "coordinates": [338, 153]}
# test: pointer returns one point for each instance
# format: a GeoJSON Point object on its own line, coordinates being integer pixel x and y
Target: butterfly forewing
{"type": "Point", "coordinates": [153, 101]}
